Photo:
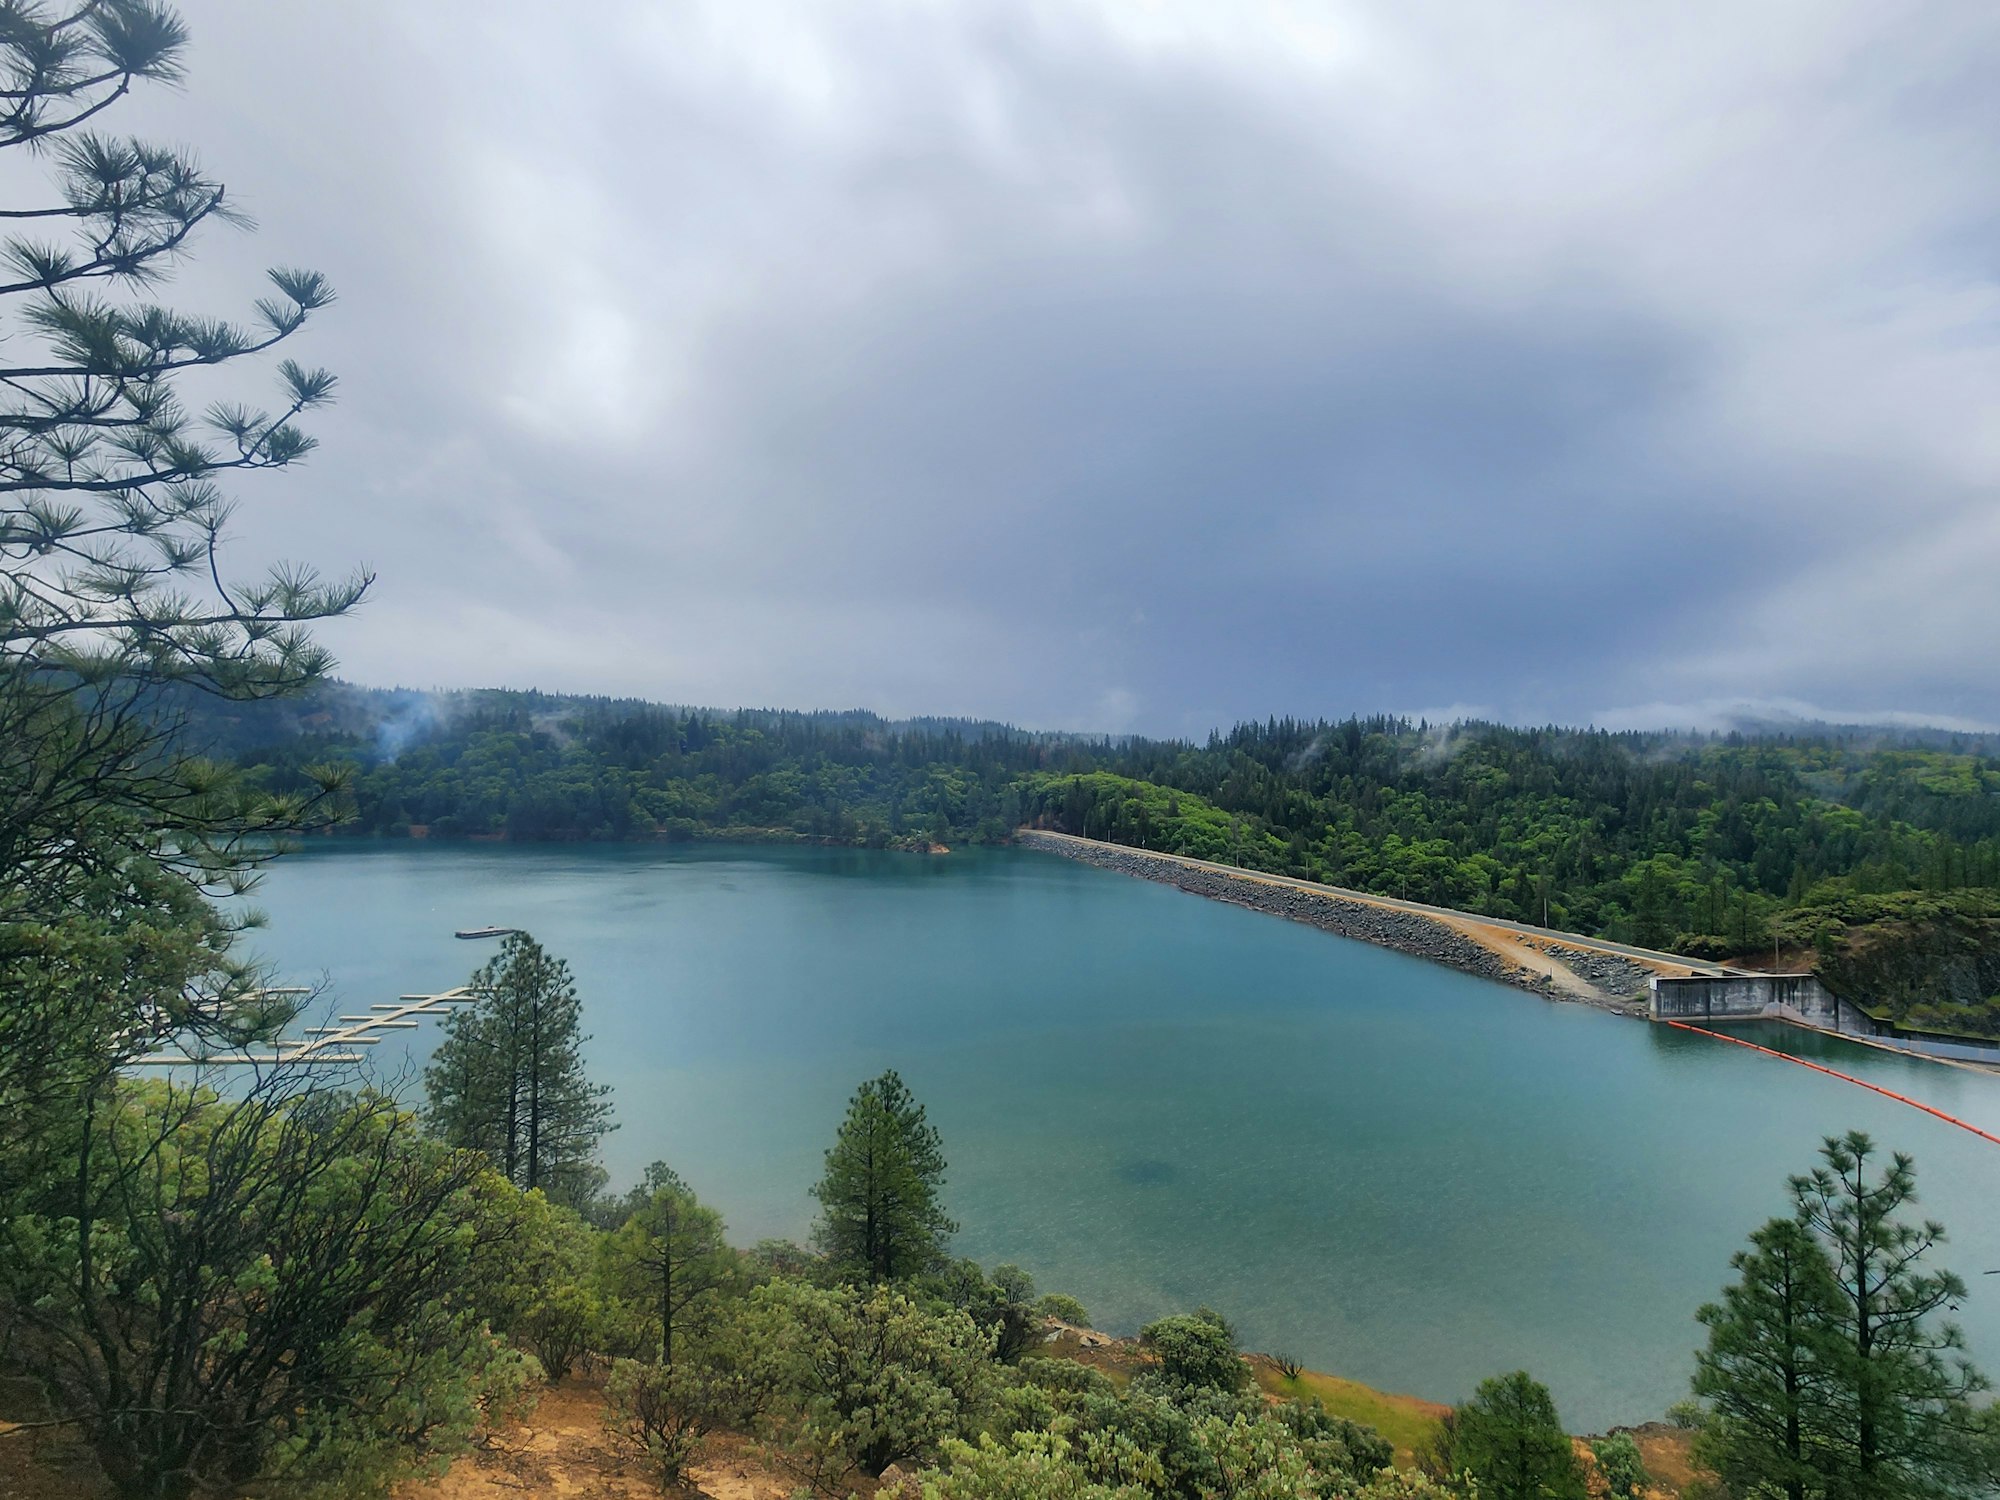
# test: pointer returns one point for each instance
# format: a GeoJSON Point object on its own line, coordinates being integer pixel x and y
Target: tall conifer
{"type": "Point", "coordinates": [1905, 1424]}
{"type": "Point", "coordinates": [1510, 1440]}
{"type": "Point", "coordinates": [1771, 1371]}
{"type": "Point", "coordinates": [880, 1212]}
{"type": "Point", "coordinates": [1830, 1371]}
{"type": "Point", "coordinates": [670, 1255]}
{"type": "Point", "coordinates": [508, 1078]}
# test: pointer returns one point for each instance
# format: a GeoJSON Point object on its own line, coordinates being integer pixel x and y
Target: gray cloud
{"type": "Point", "coordinates": [1120, 366]}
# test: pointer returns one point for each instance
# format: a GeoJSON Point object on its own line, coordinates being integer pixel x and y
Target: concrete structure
{"type": "Point", "coordinates": [1971, 1052]}
{"type": "Point", "coordinates": [1801, 999]}
{"type": "Point", "coordinates": [1746, 997]}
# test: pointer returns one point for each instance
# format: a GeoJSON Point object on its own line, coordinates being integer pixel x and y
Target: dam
{"type": "Point", "coordinates": [1801, 999]}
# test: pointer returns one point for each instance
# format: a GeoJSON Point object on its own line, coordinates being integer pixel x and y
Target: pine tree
{"type": "Point", "coordinates": [1905, 1426]}
{"type": "Point", "coordinates": [670, 1255]}
{"type": "Point", "coordinates": [880, 1214]}
{"type": "Point", "coordinates": [508, 1078]}
{"type": "Point", "coordinates": [1772, 1368]}
{"type": "Point", "coordinates": [1508, 1438]}
{"type": "Point", "coordinates": [125, 426]}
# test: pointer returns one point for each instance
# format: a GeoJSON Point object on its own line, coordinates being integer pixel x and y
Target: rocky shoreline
{"type": "Point", "coordinates": [1622, 978]}
{"type": "Point", "coordinates": [1407, 932]}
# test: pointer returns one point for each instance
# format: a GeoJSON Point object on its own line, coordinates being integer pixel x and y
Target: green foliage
{"type": "Point", "coordinates": [1004, 1305]}
{"type": "Point", "coordinates": [1124, 810]}
{"type": "Point", "coordinates": [534, 1273]}
{"type": "Point", "coordinates": [1028, 1466]}
{"type": "Point", "coordinates": [773, 1258]}
{"type": "Point", "coordinates": [1199, 1350]}
{"type": "Point", "coordinates": [863, 1379]}
{"type": "Point", "coordinates": [508, 1078]}
{"type": "Point", "coordinates": [1698, 842]}
{"type": "Point", "coordinates": [1510, 1441]}
{"type": "Point", "coordinates": [114, 519]}
{"type": "Point", "coordinates": [541, 766]}
{"type": "Point", "coordinates": [1772, 1369]}
{"type": "Point", "coordinates": [1064, 1308]}
{"type": "Point", "coordinates": [261, 1288]}
{"type": "Point", "coordinates": [670, 1260]}
{"type": "Point", "coordinates": [669, 1411]}
{"type": "Point", "coordinates": [1256, 1460]}
{"type": "Point", "coordinates": [265, 1290]}
{"type": "Point", "coordinates": [664, 1411]}
{"type": "Point", "coordinates": [1335, 1444]}
{"type": "Point", "coordinates": [1261, 1458]}
{"type": "Point", "coordinates": [74, 987]}
{"type": "Point", "coordinates": [1929, 960]}
{"type": "Point", "coordinates": [1065, 1377]}
{"type": "Point", "coordinates": [1829, 1369]}
{"type": "Point", "coordinates": [1436, 1457]}
{"type": "Point", "coordinates": [1394, 1484]}
{"type": "Point", "coordinates": [1622, 1465]}
{"type": "Point", "coordinates": [1902, 1406]}
{"type": "Point", "coordinates": [1067, 1431]}
{"type": "Point", "coordinates": [881, 1217]}
{"type": "Point", "coordinates": [1163, 1418]}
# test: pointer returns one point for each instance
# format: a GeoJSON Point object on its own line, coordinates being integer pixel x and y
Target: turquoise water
{"type": "Point", "coordinates": [1384, 1168]}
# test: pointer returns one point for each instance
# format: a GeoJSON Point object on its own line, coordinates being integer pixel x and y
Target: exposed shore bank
{"type": "Point", "coordinates": [1542, 965]}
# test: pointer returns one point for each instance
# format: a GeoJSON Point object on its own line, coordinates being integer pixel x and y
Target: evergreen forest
{"type": "Point", "coordinates": [1711, 845]}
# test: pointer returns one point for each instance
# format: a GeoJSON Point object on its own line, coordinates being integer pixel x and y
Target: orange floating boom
{"type": "Point", "coordinates": [1843, 1077]}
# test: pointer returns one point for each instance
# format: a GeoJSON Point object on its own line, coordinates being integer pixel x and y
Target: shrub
{"type": "Point", "coordinates": [1004, 1305]}
{"type": "Point", "coordinates": [669, 1410]}
{"type": "Point", "coordinates": [1197, 1349]}
{"type": "Point", "coordinates": [1335, 1443]}
{"type": "Point", "coordinates": [1066, 1376]}
{"type": "Point", "coordinates": [1624, 1470]}
{"type": "Point", "coordinates": [276, 1291]}
{"type": "Point", "coordinates": [1029, 1466]}
{"type": "Point", "coordinates": [865, 1380]}
{"type": "Point", "coordinates": [1064, 1309]}
{"type": "Point", "coordinates": [533, 1275]}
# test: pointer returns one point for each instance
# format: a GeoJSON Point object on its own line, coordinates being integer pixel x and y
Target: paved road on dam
{"type": "Point", "coordinates": [1651, 957]}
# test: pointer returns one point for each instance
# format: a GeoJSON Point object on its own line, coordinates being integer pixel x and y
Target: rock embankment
{"type": "Point", "coordinates": [1623, 977]}
{"type": "Point", "coordinates": [1405, 931]}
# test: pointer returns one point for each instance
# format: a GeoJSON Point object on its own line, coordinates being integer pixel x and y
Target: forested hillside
{"type": "Point", "coordinates": [1699, 843]}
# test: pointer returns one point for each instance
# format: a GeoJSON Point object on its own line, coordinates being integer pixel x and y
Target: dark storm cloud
{"type": "Point", "coordinates": [1140, 366]}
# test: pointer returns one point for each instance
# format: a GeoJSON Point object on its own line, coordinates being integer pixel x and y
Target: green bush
{"type": "Point", "coordinates": [1197, 1349]}
{"type": "Point", "coordinates": [861, 1380]}
{"type": "Point", "coordinates": [669, 1411]}
{"type": "Point", "coordinates": [1624, 1470]}
{"type": "Point", "coordinates": [1064, 1309]}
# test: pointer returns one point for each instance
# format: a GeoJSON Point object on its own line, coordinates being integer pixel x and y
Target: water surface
{"type": "Point", "coordinates": [1381, 1167]}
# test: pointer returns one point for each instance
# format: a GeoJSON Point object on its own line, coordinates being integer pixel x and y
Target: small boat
{"type": "Point", "coordinates": [484, 932]}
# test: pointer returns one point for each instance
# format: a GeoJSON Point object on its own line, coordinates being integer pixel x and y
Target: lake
{"type": "Point", "coordinates": [1381, 1167]}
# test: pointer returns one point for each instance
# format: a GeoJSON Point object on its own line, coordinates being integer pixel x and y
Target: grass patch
{"type": "Point", "coordinates": [1406, 1421]}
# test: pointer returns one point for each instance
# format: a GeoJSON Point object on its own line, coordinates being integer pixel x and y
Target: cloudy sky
{"type": "Point", "coordinates": [1138, 363]}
